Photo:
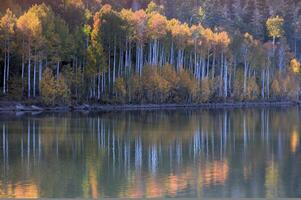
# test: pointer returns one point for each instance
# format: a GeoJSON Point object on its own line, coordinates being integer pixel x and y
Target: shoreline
{"type": "Point", "coordinates": [20, 107]}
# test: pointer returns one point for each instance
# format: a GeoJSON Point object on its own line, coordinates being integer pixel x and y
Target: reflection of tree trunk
{"type": "Point", "coordinates": [245, 131]}
{"type": "Point", "coordinates": [3, 140]}
{"type": "Point", "coordinates": [225, 129]}
{"type": "Point", "coordinates": [28, 140]}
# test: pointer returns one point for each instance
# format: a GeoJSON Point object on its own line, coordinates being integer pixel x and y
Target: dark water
{"type": "Point", "coordinates": [216, 153]}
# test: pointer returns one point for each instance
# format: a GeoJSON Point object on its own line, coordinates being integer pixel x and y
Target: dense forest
{"type": "Point", "coordinates": [139, 51]}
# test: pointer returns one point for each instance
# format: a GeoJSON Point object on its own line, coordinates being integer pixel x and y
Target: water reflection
{"type": "Point", "coordinates": [220, 153]}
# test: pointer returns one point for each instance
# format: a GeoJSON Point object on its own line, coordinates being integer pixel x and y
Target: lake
{"type": "Point", "coordinates": [176, 153]}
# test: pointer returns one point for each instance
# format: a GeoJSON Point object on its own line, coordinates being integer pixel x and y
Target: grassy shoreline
{"type": "Point", "coordinates": [6, 106]}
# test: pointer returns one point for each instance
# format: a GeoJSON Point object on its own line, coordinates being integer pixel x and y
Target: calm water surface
{"type": "Point", "coordinates": [209, 153]}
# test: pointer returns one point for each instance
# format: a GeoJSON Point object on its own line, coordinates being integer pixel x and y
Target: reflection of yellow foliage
{"type": "Point", "coordinates": [247, 172]}
{"type": "Point", "coordinates": [271, 180]}
{"type": "Point", "coordinates": [172, 185]}
{"type": "Point", "coordinates": [153, 189]}
{"type": "Point", "coordinates": [24, 191]}
{"type": "Point", "coordinates": [93, 182]}
{"type": "Point", "coordinates": [176, 183]}
{"type": "Point", "coordinates": [216, 173]}
{"type": "Point", "coordinates": [294, 141]}
{"type": "Point", "coordinates": [134, 192]}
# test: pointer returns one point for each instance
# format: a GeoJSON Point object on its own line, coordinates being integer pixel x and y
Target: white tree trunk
{"type": "Point", "coordinates": [8, 67]}
{"type": "Point", "coordinates": [34, 78]}
{"type": "Point", "coordinates": [4, 73]}
{"type": "Point", "coordinates": [172, 53]}
{"type": "Point", "coordinates": [263, 83]}
{"type": "Point", "coordinates": [57, 68]}
{"type": "Point", "coordinates": [114, 63]}
{"type": "Point", "coordinates": [225, 78]}
{"type": "Point", "coordinates": [245, 76]}
{"type": "Point", "coordinates": [22, 75]}
{"type": "Point", "coordinates": [98, 86]}
{"type": "Point", "coordinates": [40, 74]}
{"type": "Point", "coordinates": [28, 74]}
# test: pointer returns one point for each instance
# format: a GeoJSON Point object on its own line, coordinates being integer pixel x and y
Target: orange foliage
{"type": "Point", "coordinates": [157, 24]}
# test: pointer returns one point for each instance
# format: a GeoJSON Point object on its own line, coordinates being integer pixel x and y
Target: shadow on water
{"type": "Point", "coordinates": [209, 153]}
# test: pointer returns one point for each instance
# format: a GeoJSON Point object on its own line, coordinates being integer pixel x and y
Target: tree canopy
{"type": "Point", "coordinates": [150, 51]}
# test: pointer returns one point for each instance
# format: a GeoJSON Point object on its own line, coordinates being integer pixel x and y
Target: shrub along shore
{"type": "Point", "coordinates": [29, 107]}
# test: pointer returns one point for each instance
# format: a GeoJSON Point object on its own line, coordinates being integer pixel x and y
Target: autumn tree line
{"type": "Point", "coordinates": [127, 55]}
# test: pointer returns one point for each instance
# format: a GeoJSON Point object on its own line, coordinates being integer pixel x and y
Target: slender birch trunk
{"type": "Point", "coordinates": [34, 77]}
{"type": "Point", "coordinates": [245, 76]}
{"type": "Point", "coordinates": [22, 73]}
{"type": "Point", "coordinates": [225, 78]}
{"type": "Point", "coordinates": [28, 73]}
{"type": "Point", "coordinates": [4, 70]}
{"type": "Point", "coordinates": [57, 68]}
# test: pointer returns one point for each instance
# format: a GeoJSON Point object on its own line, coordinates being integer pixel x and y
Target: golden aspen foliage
{"type": "Point", "coordinates": [169, 74]}
{"type": "Point", "coordinates": [285, 85]}
{"type": "Point", "coordinates": [7, 24]}
{"type": "Point", "coordinates": [135, 88]}
{"type": "Point", "coordinates": [252, 89]}
{"type": "Point", "coordinates": [157, 24]}
{"type": "Point", "coordinates": [29, 24]}
{"type": "Point", "coordinates": [62, 90]}
{"type": "Point", "coordinates": [275, 26]}
{"type": "Point", "coordinates": [187, 86]}
{"type": "Point", "coordinates": [238, 85]}
{"type": "Point", "coordinates": [205, 90]}
{"type": "Point", "coordinates": [223, 39]}
{"type": "Point", "coordinates": [54, 90]}
{"type": "Point", "coordinates": [154, 8]}
{"type": "Point", "coordinates": [139, 21]}
{"type": "Point", "coordinates": [48, 87]}
{"type": "Point", "coordinates": [120, 89]}
{"type": "Point", "coordinates": [180, 32]}
{"type": "Point", "coordinates": [154, 86]}
{"type": "Point", "coordinates": [276, 88]}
